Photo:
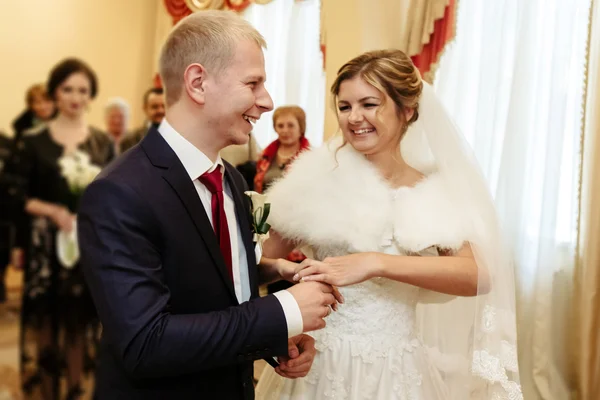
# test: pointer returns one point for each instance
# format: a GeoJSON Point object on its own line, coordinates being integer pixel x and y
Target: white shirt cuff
{"type": "Point", "coordinates": [291, 310]}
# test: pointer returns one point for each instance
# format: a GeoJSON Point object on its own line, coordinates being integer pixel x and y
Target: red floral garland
{"type": "Point", "coordinates": [177, 9]}
{"type": "Point", "coordinates": [237, 5]}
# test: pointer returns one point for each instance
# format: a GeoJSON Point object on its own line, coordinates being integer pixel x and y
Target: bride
{"type": "Point", "coordinates": [401, 220]}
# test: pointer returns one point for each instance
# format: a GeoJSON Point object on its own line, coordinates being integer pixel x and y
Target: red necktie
{"type": "Point", "coordinates": [214, 182]}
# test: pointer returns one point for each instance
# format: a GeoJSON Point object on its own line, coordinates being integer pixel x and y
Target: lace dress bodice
{"type": "Point", "coordinates": [377, 315]}
{"type": "Point", "coordinates": [377, 327]}
{"type": "Point", "coordinates": [376, 306]}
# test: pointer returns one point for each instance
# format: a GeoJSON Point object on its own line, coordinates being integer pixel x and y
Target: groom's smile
{"type": "Point", "coordinates": [240, 92]}
{"type": "Point", "coordinates": [251, 120]}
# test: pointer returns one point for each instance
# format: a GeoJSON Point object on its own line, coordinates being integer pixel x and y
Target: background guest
{"type": "Point", "coordinates": [40, 109]}
{"type": "Point", "coordinates": [116, 114]}
{"type": "Point", "coordinates": [154, 108]}
{"type": "Point", "coordinates": [11, 210]}
{"type": "Point", "coordinates": [56, 303]}
{"type": "Point", "coordinates": [290, 124]}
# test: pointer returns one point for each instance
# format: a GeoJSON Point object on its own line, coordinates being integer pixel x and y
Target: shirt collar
{"type": "Point", "coordinates": [195, 162]}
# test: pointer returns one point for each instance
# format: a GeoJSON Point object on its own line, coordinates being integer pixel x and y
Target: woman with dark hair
{"type": "Point", "coordinates": [40, 109]}
{"type": "Point", "coordinates": [56, 303]}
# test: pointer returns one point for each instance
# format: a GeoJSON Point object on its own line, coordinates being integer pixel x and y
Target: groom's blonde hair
{"type": "Point", "coordinates": [205, 37]}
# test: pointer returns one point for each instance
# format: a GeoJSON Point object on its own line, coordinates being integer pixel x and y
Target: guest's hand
{"type": "Point", "coordinates": [339, 271]}
{"type": "Point", "coordinates": [63, 219]}
{"type": "Point", "coordinates": [301, 353]}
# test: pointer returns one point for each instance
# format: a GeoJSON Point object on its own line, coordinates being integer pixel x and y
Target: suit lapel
{"type": "Point", "coordinates": [242, 213]}
{"type": "Point", "coordinates": [178, 179]}
{"type": "Point", "coordinates": [162, 156]}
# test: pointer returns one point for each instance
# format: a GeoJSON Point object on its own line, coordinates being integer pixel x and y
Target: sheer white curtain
{"type": "Point", "coordinates": [294, 62]}
{"type": "Point", "coordinates": [513, 80]}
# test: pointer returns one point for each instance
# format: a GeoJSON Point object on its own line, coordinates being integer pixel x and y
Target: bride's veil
{"type": "Point", "coordinates": [472, 340]}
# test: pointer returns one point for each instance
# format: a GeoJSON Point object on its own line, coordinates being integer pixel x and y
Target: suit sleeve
{"type": "Point", "coordinates": [120, 255]}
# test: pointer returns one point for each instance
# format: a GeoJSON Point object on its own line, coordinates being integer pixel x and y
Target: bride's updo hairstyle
{"type": "Point", "coordinates": [390, 71]}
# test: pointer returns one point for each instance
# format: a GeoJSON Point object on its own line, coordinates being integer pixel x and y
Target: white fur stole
{"type": "Point", "coordinates": [330, 199]}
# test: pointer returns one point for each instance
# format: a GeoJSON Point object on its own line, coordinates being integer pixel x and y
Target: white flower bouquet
{"type": "Point", "coordinates": [79, 172]}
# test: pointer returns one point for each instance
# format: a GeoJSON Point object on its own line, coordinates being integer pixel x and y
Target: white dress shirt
{"type": "Point", "coordinates": [197, 163]}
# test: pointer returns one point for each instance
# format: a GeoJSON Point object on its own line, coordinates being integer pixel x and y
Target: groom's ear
{"type": "Point", "coordinates": [194, 83]}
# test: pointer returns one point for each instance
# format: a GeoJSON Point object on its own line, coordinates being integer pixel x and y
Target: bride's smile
{"type": "Point", "coordinates": [369, 118]}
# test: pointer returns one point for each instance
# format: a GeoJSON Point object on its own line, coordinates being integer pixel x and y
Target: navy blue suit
{"type": "Point", "coordinates": [172, 326]}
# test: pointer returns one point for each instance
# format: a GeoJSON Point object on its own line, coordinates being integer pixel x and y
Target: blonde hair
{"type": "Point", "coordinates": [205, 37]}
{"type": "Point", "coordinates": [389, 71]}
{"type": "Point", "coordinates": [296, 112]}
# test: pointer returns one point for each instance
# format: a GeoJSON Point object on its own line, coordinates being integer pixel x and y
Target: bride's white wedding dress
{"type": "Point", "coordinates": [389, 340]}
{"type": "Point", "coordinates": [335, 203]}
{"type": "Point", "coordinates": [369, 350]}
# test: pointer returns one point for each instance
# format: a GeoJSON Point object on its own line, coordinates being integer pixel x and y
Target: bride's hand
{"type": "Point", "coordinates": [339, 271]}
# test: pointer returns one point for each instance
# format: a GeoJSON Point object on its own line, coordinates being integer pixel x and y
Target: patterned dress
{"type": "Point", "coordinates": [54, 296]}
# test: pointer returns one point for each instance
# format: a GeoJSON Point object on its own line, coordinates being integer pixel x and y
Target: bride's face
{"type": "Point", "coordinates": [368, 124]}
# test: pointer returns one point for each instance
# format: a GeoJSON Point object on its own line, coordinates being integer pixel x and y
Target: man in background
{"type": "Point", "coordinates": [116, 116]}
{"type": "Point", "coordinates": [154, 108]}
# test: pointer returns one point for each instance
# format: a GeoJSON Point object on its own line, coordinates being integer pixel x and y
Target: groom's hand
{"type": "Point", "coordinates": [315, 300]}
{"type": "Point", "coordinates": [301, 353]}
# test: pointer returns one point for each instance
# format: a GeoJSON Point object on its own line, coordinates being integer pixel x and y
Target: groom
{"type": "Point", "coordinates": [166, 241]}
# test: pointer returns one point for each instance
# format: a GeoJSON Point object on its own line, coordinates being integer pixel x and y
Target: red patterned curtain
{"type": "Point", "coordinates": [443, 32]}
